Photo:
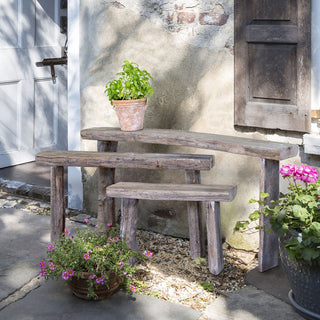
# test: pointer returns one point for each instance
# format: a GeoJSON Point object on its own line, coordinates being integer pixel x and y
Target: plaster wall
{"type": "Point", "coordinates": [187, 46]}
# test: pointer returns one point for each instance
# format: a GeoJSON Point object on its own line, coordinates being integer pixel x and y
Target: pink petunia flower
{"type": "Point", "coordinates": [52, 266]}
{"type": "Point", "coordinates": [42, 272]}
{"type": "Point", "coordinates": [86, 256]}
{"type": "Point", "coordinates": [67, 232]}
{"type": "Point", "coordinates": [65, 275]}
{"type": "Point", "coordinates": [125, 273]}
{"type": "Point", "coordinates": [148, 253]}
{"type": "Point", "coordinates": [121, 264]}
{"type": "Point", "coordinates": [70, 273]}
{"type": "Point", "coordinates": [133, 288]}
{"type": "Point", "coordinates": [109, 224]}
{"type": "Point", "coordinates": [42, 264]}
{"type": "Point", "coordinates": [115, 239]}
{"type": "Point", "coordinates": [92, 276]}
{"type": "Point", "coordinates": [86, 220]}
{"type": "Point", "coordinates": [50, 247]}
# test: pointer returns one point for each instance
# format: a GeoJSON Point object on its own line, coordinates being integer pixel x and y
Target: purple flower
{"type": "Point", "coordinates": [86, 256]}
{"type": "Point", "coordinates": [100, 280]}
{"type": "Point", "coordinates": [70, 273]}
{"type": "Point", "coordinates": [119, 251]}
{"type": "Point", "coordinates": [121, 264]}
{"type": "Point", "coordinates": [109, 224]}
{"type": "Point", "coordinates": [42, 272]}
{"type": "Point", "coordinates": [115, 239]}
{"type": "Point", "coordinates": [86, 220]}
{"type": "Point", "coordinates": [65, 275]}
{"type": "Point", "coordinates": [42, 264]}
{"type": "Point", "coordinates": [92, 276]}
{"type": "Point", "coordinates": [52, 266]}
{"type": "Point", "coordinates": [67, 232]}
{"type": "Point", "coordinates": [50, 247]}
{"type": "Point", "coordinates": [125, 273]}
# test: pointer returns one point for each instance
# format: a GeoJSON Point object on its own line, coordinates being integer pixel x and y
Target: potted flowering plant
{"type": "Point", "coordinates": [93, 263]}
{"type": "Point", "coordinates": [128, 94]}
{"type": "Point", "coordinates": [295, 218]}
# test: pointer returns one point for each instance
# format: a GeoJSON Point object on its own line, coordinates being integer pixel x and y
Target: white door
{"type": "Point", "coordinates": [33, 107]}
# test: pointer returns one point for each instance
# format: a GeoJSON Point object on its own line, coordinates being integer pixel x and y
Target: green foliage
{"type": "Point", "coordinates": [132, 83]}
{"type": "Point", "coordinates": [207, 286]}
{"type": "Point", "coordinates": [98, 253]}
{"type": "Point", "coordinates": [295, 215]}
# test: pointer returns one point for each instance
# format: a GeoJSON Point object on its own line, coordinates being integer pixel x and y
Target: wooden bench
{"type": "Point", "coordinates": [212, 195]}
{"type": "Point", "coordinates": [106, 163]}
{"type": "Point", "coordinates": [270, 154]}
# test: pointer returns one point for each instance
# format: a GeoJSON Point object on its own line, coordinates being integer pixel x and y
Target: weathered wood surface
{"type": "Point", "coordinates": [237, 145]}
{"type": "Point", "coordinates": [269, 183]}
{"type": "Point", "coordinates": [181, 192]}
{"type": "Point", "coordinates": [197, 239]}
{"type": "Point", "coordinates": [106, 205]}
{"type": "Point", "coordinates": [125, 160]}
{"type": "Point", "coordinates": [57, 212]}
{"type": "Point", "coordinates": [215, 254]}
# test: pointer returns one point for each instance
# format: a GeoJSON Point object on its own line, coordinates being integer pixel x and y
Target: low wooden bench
{"type": "Point", "coordinates": [212, 195]}
{"type": "Point", "coordinates": [106, 163]}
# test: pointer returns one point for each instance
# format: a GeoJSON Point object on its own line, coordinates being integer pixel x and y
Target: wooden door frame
{"type": "Point", "coordinates": [75, 188]}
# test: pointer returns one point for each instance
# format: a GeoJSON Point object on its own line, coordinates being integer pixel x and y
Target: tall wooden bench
{"type": "Point", "coordinates": [212, 195]}
{"type": "Point", "coordinates": [106, 163]}
{"type": "Point", "coordinates": [269, 152]}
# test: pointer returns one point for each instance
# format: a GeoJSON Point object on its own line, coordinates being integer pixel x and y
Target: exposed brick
{"type": "Point", "coordinates": [186, 17]}
{"type": "Point", "coordinates": [213, 18]}
{"type": "Point", "coordinates": [169, 18]}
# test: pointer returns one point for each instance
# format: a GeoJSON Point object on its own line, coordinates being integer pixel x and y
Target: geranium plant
{"type": "Point", "coordinates": [133, 83]}
{"type": "Point", "coordinates": [97, 253]}
{"type": "Point", "coordinates": [296, 215]}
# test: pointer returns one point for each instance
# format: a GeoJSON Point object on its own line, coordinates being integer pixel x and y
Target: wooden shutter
{"type": "Point", "coordinates": [272, 64]}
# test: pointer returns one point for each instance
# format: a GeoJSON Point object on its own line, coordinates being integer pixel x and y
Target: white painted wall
{"type": "Point", "coordinates": [75, 189]}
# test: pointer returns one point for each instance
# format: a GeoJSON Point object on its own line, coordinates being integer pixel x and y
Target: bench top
{"type": "Point", "coordinates": [129, 160]}
{"type": "Point", "coordinates": [232, 144]}
{"type": "Point", "coordinates": [182, 192]}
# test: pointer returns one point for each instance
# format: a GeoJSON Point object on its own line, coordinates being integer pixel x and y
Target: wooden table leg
{"type": "Point", "coordinates": [196, 233]}
{"type": "Point", "coordinates": [268, 246]}
{"type": "Point", "coordinates": [106, 205]}
{"type": "Point", "coordinates": [58, 212]}
{"type": "Point", "coordinates": [215, 253]}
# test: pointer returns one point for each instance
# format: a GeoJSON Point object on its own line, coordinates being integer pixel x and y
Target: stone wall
{"type": "Point", "coordinates": [187, 46]}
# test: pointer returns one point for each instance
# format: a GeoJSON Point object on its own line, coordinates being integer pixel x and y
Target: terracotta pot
{"type": "Point", "coordinates": [130, 113]}
{"type": "Point", "coordinates": [79, 287]}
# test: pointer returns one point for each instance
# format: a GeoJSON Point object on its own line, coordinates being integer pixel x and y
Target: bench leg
{"type": "Point", "coordinates": [215, 255]}
{"type": "Point", "coordinates": [106, 205]}
{"type": "Point", "coordinates": [268, 248]}
{"type": "Point", "coordinates": [128, 226]}
{"type": "Point", "coordinates": [57, 212]}
{"type": "Point", "coordinates": [196, 234]}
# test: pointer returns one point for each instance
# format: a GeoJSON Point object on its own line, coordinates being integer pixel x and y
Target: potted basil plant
{"type": "Point", "coordinates": [129, 94]}
{"type": "Point", "coordinates": [295, 218]}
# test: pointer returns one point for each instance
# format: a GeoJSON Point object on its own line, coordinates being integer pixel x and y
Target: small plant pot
{"type": "Point", "coordinates": [79, 287]}
{"type": "Point", "coordinates": [130, 113]}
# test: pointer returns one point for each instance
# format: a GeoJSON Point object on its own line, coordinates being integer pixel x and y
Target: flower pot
{"type": "Point", "coordinates": [79, 287]}
{"type": "Point", "coordinates": [304, 279]}
{"type": "Point", "coordinates": [130, 113]}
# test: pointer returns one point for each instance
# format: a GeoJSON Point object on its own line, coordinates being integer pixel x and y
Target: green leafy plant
{"type": "Point", "coordinates": [296, 215]}
{"type": "Point", "coordinates": [133, 83]}
{"type": "Point", "coordinates": [98, 253]}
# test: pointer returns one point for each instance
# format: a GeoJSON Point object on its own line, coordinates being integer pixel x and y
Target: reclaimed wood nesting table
{"type": "Point", "coordinates": [269, 153]}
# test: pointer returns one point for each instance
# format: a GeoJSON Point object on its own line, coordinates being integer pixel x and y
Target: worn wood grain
{"type": "Point", "coordinates": [215, 255]}
{"type": "Point", "coordinates": [106, 205]}
{"type": "Point", "coordinates": [129, 220]}
{"type": "Point", "coordinates": [181, 192]}
{"type": "Point", "coordinates": [125, 160]}
{"type": "Point", "coordinates": [197, 238]}
{"type": "Point", "coordinates": [268, 247]}
{"type": "Point", "coordinates": [57, 212]}
{"type": "Point", "coordinates": [231, 144]}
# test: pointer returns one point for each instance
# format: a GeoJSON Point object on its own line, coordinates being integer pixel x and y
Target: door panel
{"type": "Point", "coordinates": [273, 64]}
{"type": "Point", "coordinates": [33, 106]}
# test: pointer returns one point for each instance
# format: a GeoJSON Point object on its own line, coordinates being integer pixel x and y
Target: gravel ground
{"type": "Point", "coordinates": [169, 274]}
